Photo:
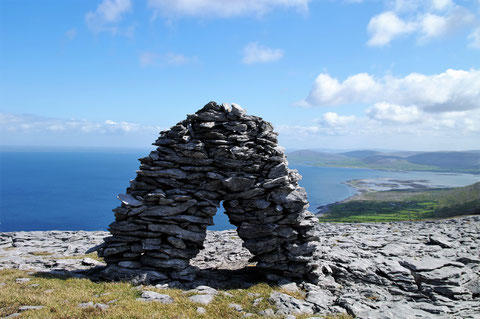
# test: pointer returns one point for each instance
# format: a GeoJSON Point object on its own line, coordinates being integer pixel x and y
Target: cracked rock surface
{"type": "Point", "coordinates": [424, 269]}
{"type": "Point", "coordinates": [48, 250]}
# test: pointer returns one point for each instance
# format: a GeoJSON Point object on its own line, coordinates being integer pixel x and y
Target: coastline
{"type": "Point", "coordinates": [370, 185]}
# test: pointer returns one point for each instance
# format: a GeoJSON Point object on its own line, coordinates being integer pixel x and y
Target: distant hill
{"type": "Point", "coordinates": [309, 157]}
{"type": "Point", "coordinates": [406, 205]}
{"type": "Point", "coordinates": [382, 159]}
{"type": "Point", "coordinates": [461, 162]}
{"type": "Point", "coordinates": [360, 154]}
{"type": "Point", "coordinates": [316, 155]}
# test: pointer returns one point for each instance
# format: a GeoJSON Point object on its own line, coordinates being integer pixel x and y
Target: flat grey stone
{"type": "Point", "coordinates": [101, 306]}
{"type": "Point", "coordinates": [238, 184]}
{"type": "Point", "coordinates": [86, 304]}
{"type": "Point", "coordinates": [290, 287]}
{"type": "Point", "coordinates": [26, 308]}
{"type": "Point", "coordinates": [169, 210]}
{"type": "Point", "coordinates": [91, 262]}
{"type": "Point", "coordinates": [235, 306]}
{"type": "Point", "coordinates": [22, 280]}
{"type": "Point", "coordinates": [206, 290]}
{"type": "Point", "coordinates": [321, 298]}
{"type": "Point", "coordinates": [395, 310]}
{"type": "Point", "coordinates": [203, 299]}
{"type": "Point", "coordinates": [157, 297]}
{"type": "Point", "coordinates": [441, 241]}
{"type": "Point", "coordinates": [288, 305]}
{"type": "Point", "coordinates": [428, 263]}
{"type": "Point", "coordinates": [267, 312]}
{"type": "Point", "coordinates": [129, 200]}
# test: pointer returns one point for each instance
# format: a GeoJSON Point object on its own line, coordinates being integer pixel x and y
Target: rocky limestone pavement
{"type": "Point", "coordinates": [425, 269]}
{"type": "Point", "coordinates": [49, 250]}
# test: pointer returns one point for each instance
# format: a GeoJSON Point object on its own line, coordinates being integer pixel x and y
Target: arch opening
{"type": "Point", "coordinates": [217, 155]}
{"type": "Point", "coordinates": [221, 220]}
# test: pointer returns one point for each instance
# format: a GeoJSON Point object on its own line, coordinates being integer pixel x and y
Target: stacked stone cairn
{"type": "Point", "coordinates": [217, 154]}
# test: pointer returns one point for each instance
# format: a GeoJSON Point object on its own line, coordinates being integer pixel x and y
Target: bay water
{"type": "Point", "coordinates": [76, 190]}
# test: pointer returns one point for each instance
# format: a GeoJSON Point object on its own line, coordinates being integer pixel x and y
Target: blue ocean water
{"type": "Point", "coordinates": [77, 190]}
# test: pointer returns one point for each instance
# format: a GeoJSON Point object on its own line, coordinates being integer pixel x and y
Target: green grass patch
{"type": "Point", "coordinates": [60, 297]}
{"type": "Point", "coordinates": [406, 205]}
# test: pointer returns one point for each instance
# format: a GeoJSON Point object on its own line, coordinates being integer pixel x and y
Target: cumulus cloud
{"type": "Point", "coordinates": [392, 124]}
{"type": "Point", "coordinates": [387, 26]}
{"type": "Point", "coordinates": [152, 59]}
{"type": "Point", "coordinates": [107, 16]}
{"type": "Point", "coordinates": [223, 8]}
{"type": "Point", "coordinates": [427, 19]}
{"type": "Point", "coordinates": [257, 53]}
{"type": "Point", "coordinates": [452, 90]}
{"type": "Point", "coordinates": [26, 123]}
{"type": "Point", "coordinates": [386, 112]}
{"type": "Point", "coordinates": [333, 119]}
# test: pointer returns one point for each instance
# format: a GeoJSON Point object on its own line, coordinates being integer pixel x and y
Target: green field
{"type": "Point", "coordinates": [406, 205]}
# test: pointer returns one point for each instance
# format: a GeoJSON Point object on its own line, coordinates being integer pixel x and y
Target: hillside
{"type": "Point", "coordinates": [406, 205]}
{"type": "Point", "coordinates": [459, 162]}
{"type": "Point", "coordinates": [360, 154]}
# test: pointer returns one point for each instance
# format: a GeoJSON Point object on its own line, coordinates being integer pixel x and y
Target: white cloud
{"type": "Point", "coordinates": [32, 124]}
{"type": "Point", "coordinates": [107, 16]}
{"type": "Point", "coordinates": [452, 90]}
{"type": "Point", "coordinates": [257, 53]}
{"type": "Point", "coordinates": [71, 33]}
{"type": "Point", "coordinates": [333, 119]}
{"type": "Point", "coordinates": [474, 38]}
{"type": "Point", "coordinates": [406, 5]}
{"type": "Point", "coordinates": [223, 8]}
{"type": "Point", "coordinates": [427, 19]}
{"type": "Point", "coordinates": [442, 4]}
{"type": "Point", "coordinates": [152, 59]}
{"type": "Point", "coordinates": [393, 113]}
{"type": "Point", "coordinates": [386, 26]}
{"type": "Point", "coordinates": [388, 126]}
{"type": "Point", "coordinates": [433, 25]}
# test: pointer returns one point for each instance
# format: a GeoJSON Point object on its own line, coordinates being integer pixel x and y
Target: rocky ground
{"type": "Point", "coordinates": [427, 269]}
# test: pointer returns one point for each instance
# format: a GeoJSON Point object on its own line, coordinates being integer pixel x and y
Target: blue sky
{"type": "Point", "coordinates": [333, 74]}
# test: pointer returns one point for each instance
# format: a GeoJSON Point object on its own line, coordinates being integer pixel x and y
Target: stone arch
{"type": "Point", "coordinates": [217, 154]}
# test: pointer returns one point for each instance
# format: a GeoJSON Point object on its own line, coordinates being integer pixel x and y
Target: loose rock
{"type": "Point", "coordinates": [203, 299]}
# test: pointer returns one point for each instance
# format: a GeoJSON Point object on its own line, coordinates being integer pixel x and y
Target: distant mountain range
{"type": "Point", "coordinates": [460, 162]}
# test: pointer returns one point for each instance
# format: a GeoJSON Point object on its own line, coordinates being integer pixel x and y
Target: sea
{"type": "Point", "coordinates": [76, 190]}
